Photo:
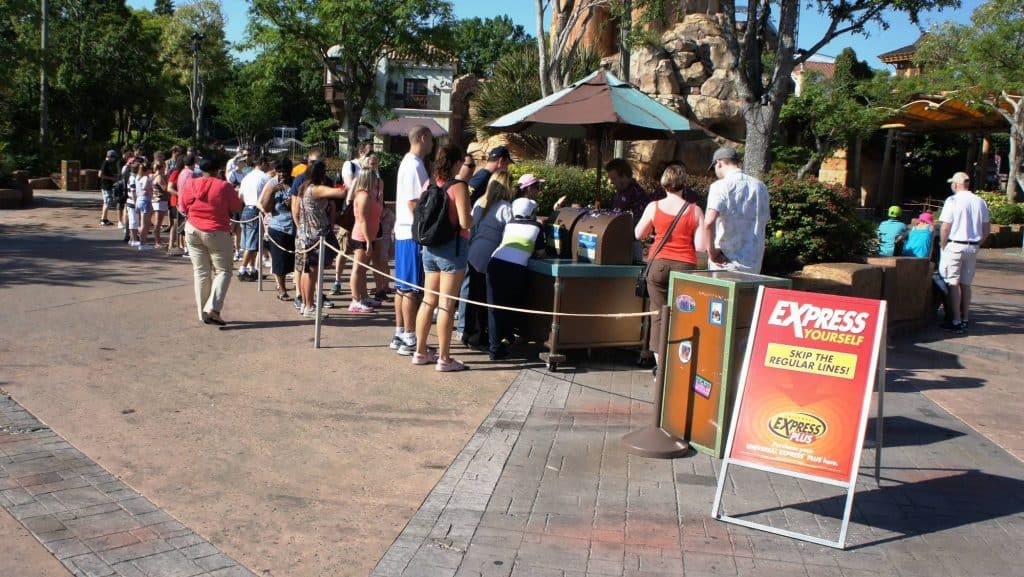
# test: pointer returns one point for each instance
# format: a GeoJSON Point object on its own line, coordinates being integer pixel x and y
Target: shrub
{"type": "Point", "coordinates": [1001, 210]}
{"type": "Point", "coordinates": [577, 184]}
{"type": "Point", "coordinates": [813, 222]}
{"type": "Point", "coordinates": [388, 169]}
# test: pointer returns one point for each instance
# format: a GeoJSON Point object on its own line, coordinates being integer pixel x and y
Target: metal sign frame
{"type": "Point", "coordinates": [876, 368]}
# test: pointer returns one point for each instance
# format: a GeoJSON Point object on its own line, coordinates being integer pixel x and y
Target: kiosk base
{"type": "Point", "coordinates": [656, 443]}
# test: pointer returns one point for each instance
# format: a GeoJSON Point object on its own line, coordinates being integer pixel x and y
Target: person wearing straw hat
{"type": "Point", "coordinates": [965, 224]}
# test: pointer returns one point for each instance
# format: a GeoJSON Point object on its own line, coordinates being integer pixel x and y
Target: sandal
{"type": "Point", "coordinates": [282, 295]}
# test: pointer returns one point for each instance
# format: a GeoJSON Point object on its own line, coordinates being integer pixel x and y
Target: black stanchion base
{"type": "Point", "coordinates": [656, 443]}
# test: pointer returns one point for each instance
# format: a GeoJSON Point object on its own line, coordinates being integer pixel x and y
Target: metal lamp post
{"type": "Point", "coordinates": [197, 111]}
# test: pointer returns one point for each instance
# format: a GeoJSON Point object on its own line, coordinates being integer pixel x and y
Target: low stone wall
{"type": "Point", "coordinates": [903, 282]}
{"type": "Point", "coordinates": [1005, 236]}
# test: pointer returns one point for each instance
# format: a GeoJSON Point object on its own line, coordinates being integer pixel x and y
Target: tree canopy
{"type": "Point", "coordinates": [415, 29]}
{"type": "Point", "coordinates": [482, 43]}
{"type": "Point", "coordinates": [984, 62]}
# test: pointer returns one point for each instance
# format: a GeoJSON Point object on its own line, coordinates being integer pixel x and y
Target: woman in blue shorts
{"type": "Point", "coordinates": [445, 265]}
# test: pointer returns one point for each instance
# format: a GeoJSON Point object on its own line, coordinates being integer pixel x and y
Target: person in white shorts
{"type": "Point", "coordinates": [965, 224]}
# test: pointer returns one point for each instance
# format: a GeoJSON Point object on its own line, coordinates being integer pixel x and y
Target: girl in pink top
{"type": "Point", "coordinates": [368, 208]}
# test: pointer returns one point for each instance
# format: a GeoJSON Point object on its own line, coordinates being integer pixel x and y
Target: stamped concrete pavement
{"type": "Point", "coordinates": [545, 489]}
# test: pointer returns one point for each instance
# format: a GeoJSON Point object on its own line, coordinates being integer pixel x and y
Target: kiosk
{"type": "Point", "coordinates": [600, 279]}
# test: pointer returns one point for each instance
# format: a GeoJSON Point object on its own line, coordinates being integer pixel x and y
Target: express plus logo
{"type": "Point", "coordinates": [801, 428]}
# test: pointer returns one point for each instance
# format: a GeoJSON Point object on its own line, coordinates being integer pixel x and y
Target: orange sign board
{"type": "Point", "coordinates": [807, 384]}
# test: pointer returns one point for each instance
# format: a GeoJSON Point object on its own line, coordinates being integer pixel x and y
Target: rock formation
{"type": "Point", "coordinates": [689, 69]}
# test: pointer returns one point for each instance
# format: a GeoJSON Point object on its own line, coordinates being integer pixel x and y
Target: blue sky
{"type": "Point", "coordinates": [900, 33]}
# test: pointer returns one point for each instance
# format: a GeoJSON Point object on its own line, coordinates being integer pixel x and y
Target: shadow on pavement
{"type": "Point", "coordinates": [903, 431]}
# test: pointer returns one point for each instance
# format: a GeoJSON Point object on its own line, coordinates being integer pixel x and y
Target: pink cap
{"type": "Point", "coordinates": [926, 217]}
{"type": "Point", "coordinates": [528, 180]}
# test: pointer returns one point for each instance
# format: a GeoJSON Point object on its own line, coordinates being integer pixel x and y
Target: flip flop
{"type": "Point", "coordinates": [283, 296]}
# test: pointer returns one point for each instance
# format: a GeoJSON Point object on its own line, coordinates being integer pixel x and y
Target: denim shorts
{"type": "Point", "coordinates": [143, 205]}
{"type": "Point", "coordinates": [250, 230]}
{"type": "Point", "coordinates": [450, 257]}
{"type": "Point", "coordinates": [108, 197]}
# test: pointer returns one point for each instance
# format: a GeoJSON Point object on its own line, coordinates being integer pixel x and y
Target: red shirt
{"type": "Point", "coordinates": [209, 202]}
{"type": "Point", "coordinates": [679, 247]}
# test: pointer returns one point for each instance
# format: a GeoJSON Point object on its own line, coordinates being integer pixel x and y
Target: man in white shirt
{"type": "Point", "coordinates": [412, 181]}
{"type": "Point", "coordinates": [737, 215]}
{"type": "Point", "coordinates": [249, 190]}
{"type": "Point", "coordinates": [234, 171]}
{"type": "Point", "coordinates": [965, 224]}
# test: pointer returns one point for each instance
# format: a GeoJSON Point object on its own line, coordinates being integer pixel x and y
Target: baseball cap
{"type": "Point", "coordinates": [499, 152]}
{"type": "Point", "coordinates": [523, 207]}
{"type": "Point", "coordinates": [959, 178]}
{"type": "Point", "coordinates": [895, 211]}
{"type": "Point", "coordinates": [111, 153]}
{"type": "Point", "coordinates": [724, 153]}
{"type": "Point", "coordinates": [926, 217]}
{"type": "Point", "coordinates": [528, 179]}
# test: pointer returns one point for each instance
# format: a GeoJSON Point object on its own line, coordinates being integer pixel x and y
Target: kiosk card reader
{"type": "Point", "coordinates": [562, 230]}
{"type": "Point", "coordinates": [604, 237]}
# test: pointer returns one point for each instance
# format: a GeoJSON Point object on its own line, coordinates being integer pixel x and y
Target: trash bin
{"type": "Point", "coordinates": [709, 320]}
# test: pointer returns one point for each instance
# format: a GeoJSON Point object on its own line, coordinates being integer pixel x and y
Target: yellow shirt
{"type": "Point", "coordinates": [299, 169]}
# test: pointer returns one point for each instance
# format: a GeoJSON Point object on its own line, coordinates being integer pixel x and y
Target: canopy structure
{"type": "Point", "coordinates": [598, 106]}
{"type": "Point", "coordinates": [402, 126]}
{"type": "Point", "coordinates": [947, 113]}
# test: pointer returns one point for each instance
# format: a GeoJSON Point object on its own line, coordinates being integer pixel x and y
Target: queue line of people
{"type": "Point", "coordinates": [493, 219]}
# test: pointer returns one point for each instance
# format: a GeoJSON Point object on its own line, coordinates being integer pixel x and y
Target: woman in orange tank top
{"type": "Point", "coordinates": [677, 252]}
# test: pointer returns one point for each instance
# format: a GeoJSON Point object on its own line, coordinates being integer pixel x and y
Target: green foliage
{"type": "Point", "coordinates": [388, 168]}
{"type": "Point", "coordinates": [163, 7]}
{"type": "Point", "coordinates": [482, 43]}
{"type": "Point", "coordinates": [575, 183]}
{"type": "Point", "coordinates": [320, 132]}
{"type": "Point", "coordinates": [1001, 210]}
{"type": "Point", "coordinates": [983, 62]}
{"type": "Point", "coordinates": [813, 222]}
{"type": "Point", "coordinates": [832, 113]}
{"type": "Point", "coordinates": [362, 32]}
{"type": "Point", "coordinates": [251, 102]}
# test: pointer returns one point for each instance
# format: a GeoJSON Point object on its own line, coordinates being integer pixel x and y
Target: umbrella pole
{"type": "Point", "coordinates": [597, 188]}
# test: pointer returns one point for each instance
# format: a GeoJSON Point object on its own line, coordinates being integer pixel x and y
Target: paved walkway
{"type": "Point", "coordinates": [545, 489]}
{"type": "Point", "coordinates": [293, 461]}
{"type": "Point", "coordinates": [88, 519]}
{"type": "Point", "coordinates": [166, 460]}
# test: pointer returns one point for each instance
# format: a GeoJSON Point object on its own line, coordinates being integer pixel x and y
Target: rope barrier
{"type": "Point", "coordinates": [257, 217]}
{"type": "Point", "coordinates": [499, 307]}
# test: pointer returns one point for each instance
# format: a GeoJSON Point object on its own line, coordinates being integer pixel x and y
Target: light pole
{"type": "Point", "coordinates": [197, 100]}
{"type": "Point", "coordinates": [44, 119]}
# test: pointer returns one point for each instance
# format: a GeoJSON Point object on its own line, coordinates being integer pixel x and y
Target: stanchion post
{"type": "Point", "coordinates": [319, 291]}
{"type": "Point", "coordinates": [655, 441]}
{"type": "Point", "coordinates": [259, 254]}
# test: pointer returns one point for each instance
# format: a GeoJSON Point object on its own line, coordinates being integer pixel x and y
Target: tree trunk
{"type": "Point", "coordinates": [1016, 148]}
{"type": "Point", "coordinates": [761, 122]}
{"type": "Point", "coordinates": [542, 52]}
{"type": "Point", "coordinates": [808, 166]}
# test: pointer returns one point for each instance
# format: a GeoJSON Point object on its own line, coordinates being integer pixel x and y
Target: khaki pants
{"type": "Point", "coordinates": [211, 254]}
{"type": "Point", "coordinates": [657, 287]}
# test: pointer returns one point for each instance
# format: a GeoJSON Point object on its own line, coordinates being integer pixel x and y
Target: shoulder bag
{"type": "Point", "coordinates": [641, 279]}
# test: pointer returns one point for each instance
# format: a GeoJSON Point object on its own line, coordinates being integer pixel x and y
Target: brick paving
{"type": "Point", "coordinates": [93, 523]}
{"type": "Point", "coordinates": [545, 489]}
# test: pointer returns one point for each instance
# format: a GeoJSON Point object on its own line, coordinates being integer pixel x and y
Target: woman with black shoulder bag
{"type": "Point", "coordinates": [677, 228]}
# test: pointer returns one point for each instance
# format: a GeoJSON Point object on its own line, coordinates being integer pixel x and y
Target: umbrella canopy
{"type": "Point", "coordinates": [402, 126]}
{"type": "Point", "coordinates": [598, 106]}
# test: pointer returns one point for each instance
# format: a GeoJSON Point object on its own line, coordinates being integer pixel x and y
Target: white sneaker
{"type": "Point", "coordinates": [359, 308]}
{"type": "Point", "coordinates": [145, 247]}
{"type": "Point", "coordinates": [134, 243]}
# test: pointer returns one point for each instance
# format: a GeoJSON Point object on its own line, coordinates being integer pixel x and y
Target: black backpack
{"type": "Point", "coordinates": [431, 225]}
